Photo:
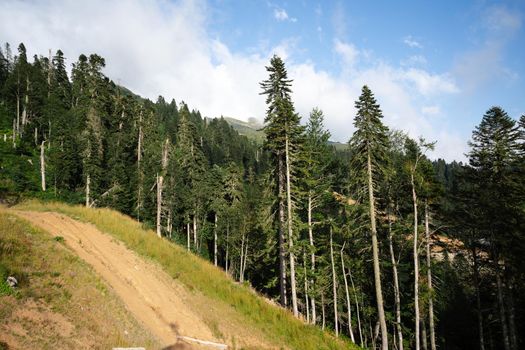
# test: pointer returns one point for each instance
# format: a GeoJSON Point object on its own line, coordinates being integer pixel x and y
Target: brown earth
{"type": "Point", "coordinates": [149, 293]}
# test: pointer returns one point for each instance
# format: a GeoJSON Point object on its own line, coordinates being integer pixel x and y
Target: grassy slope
{"type": "Point", "coordinates": [253, 131]}
{"type": "Point", "coordinates": [277, 325]}
{"type": "Point", "coordinates": [249, 129]}
{"type": "Point", "coordinates": [57, 304]}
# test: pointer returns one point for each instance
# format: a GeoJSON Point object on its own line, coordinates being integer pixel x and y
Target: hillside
{"type": "Point", "coordinates": [253, 130]}
{"type": "Point", "coordinates": [60, 302]}
{"type": "Point", "coordinates": [202, 299]}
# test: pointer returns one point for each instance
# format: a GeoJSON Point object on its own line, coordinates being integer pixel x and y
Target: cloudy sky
{"type": "Point", "coordinates": [434, 66]}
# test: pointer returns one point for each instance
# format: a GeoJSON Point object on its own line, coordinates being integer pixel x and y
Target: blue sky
{"type": "Point", "coordinates": [435, 67]}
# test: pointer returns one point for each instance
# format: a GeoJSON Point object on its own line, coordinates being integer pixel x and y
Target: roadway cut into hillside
{"type": "Point", "coordinates": [150, 294]}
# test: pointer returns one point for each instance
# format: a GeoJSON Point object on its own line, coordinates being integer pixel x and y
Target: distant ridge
{"type": "Point", "coordinates": [253, 130]}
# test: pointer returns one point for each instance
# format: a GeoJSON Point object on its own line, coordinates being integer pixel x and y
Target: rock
{"type": "Point", "coordinates": [11, 281]}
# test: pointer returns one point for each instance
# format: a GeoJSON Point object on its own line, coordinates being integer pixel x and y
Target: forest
{"type": "Point", "coordinates": [376, 243]}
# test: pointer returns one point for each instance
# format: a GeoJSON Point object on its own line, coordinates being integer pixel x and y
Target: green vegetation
{"type": "Point", "coordinates": [59, 301]}
{"type": "Point", "coordinates": [251, 129]}
{"type": "Point", "coordinates": [199, 275]}
{"type": "Point", "coordinates": [301, 222]}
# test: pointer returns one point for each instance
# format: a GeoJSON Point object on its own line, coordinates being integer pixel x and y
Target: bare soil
{"type": "Point", "coordinates": [161, 304]}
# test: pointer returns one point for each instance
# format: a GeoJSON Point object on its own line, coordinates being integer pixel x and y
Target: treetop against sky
{"type": "Point", "coordinates": [435, 67]}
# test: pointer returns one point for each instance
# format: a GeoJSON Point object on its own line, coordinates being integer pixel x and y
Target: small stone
{"type": "Point", "coordinates": [11, 281]}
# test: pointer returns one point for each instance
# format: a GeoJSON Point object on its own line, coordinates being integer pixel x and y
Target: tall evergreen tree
{"type": "Point", "coordinates": [315, 183]}
{"type": "Point", "coordinates": [494, 157]}
{"type": "Point", "coordinates": [368, 146]}
{"type": "Point", "coordinates": [282, 140]}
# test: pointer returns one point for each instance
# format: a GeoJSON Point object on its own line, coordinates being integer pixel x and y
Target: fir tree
{"type": "Point", "coordinates": [368, 145]}
{"type": "Point", "coordinates": [282, 140]}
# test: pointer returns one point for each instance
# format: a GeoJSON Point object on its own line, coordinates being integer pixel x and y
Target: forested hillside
{"type": "Point", "coordinates": [374, 242]}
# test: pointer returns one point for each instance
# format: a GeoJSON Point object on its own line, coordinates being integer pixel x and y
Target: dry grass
{"type": "Point", "coordinates": [229, 299]}
{"type": "Point", "coordinates": [60, 302]}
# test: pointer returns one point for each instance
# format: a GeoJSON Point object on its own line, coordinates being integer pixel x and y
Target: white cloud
{"type": "Point", "coordinates": [348, 53]}
{"type": "Point", "coordinates": [431, 110]}
{"type": "Point", "coordinates": [430, 84]}
{"type": "Point", "coordinates": [281, 15]}
{"type": "Point", "coordinates": [162, 47]}
{"type": "Point", "coordinates": [409, 41]}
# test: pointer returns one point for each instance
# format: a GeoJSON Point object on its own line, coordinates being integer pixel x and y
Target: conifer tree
{"type": "Point", "coordinates": [315, 184]}
{"type": "Point", "coordinates": [494, 157]}
{"type": "Point", "coordinates": [368, 146]}
{"type": "Point", "coordinates": [193, 165]}
{"type": "Point", "coordinates": [282, 140]}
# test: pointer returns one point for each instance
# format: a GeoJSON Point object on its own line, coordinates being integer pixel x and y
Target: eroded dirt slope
{"type": "Point", "coordinates": [155, 299]}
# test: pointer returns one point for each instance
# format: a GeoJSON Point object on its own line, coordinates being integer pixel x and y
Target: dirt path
{"type": "Point", "coordinates": [148, 292]}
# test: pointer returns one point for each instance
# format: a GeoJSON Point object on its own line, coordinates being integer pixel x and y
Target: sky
{"type": "Point", "coordinates": [435, 67]}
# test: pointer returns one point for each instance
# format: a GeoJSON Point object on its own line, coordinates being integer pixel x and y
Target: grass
{"type": "Point", "coordinates": [57, 303]}
{"type": "Point", "coordinates": [248, 309]}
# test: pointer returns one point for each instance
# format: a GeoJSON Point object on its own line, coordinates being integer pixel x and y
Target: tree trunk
{"type": "Point", "coordinates": [241, 260]}
{"type": "Point", "coordinates": [357, 309]}
{"type": "Point", "coordinates": [188, 235]}
{"type": "Point", "coordinates": [215, 241]}
{"type": "Point", "coordinates": [160, 185]}
{"type": "Point", "coordinates": [348, 305]}
{"type": "Point", "coordinates": [43, 166]}
{"type": "Point", "coordinates": [501, 306]}
{"type": "Point", "coordinates": [424, 342]}
{"type": "Point", "coordinates": [312, 257]}
{"type": "Point", "coordinates": [322, 311]}
{"type": "Point", "coordinates": [397, 294]}
{"type": "Point", "coordinates": [334, 284]}
{"type": "Point", "coordinates": [195, 243]}
{"type": "Point", "coordinates": [245, 258]}
{"type": "Point", "coordinates": [169, 224]}
{"type": "Point", "coordinates": [429, 281]}
{"type": "Point", "coordinates": [290, 231]}
{"type": "Point", "coordinates": [49, 137]}
{"type": "Point", "coordinates": [227, 246]}
{"type": "Point", "coordinates": [306, 297]}
{"type": "Point", "coordinates": [26, 104]}
{"type": "Point", "coordinates": [160, 180]}
{"type": "Point", "coordinates": [416, 262]}
{"type": "Point", "coordinates": [375, 252]}
{"type": "Point", "coordinates": [88, 183]}
{"type": "Point", "coordinates": [14, 133]}
{"type": "Point", "coordinates": [512, 317]}
{"type": "Point", "coordinates": [36, 137]}
{"type": "Point", "coordinates": [478, 298]}
{"type": "Point", "coordinates": [282, 267]}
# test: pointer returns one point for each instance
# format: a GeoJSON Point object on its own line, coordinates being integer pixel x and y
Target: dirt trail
{"type": "Point", "coordinates": [148, 292]}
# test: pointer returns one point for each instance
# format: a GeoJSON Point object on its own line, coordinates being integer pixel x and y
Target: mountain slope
{"type": "Point", "coordinates": [233, 313]}
{"type": "Point", "coordinates": [60, 302]}
{"type": "Point", "coordinates": [252, 129]}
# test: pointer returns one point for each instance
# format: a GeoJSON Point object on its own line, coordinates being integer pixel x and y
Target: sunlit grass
{"type": "Point", "coordinates": [278, 325]}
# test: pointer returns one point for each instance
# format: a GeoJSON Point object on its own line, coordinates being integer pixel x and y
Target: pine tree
{"type": "Point", "coordinates": [282, 140]}
{"type": "Point", "coordinates": [494, 156]}
{"type": "Point", "coordinates": [315, 183]}
{"type": "Point", "coordinates": [368, 145]}
{"type": "Point", "coordinates": [193, 166]}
